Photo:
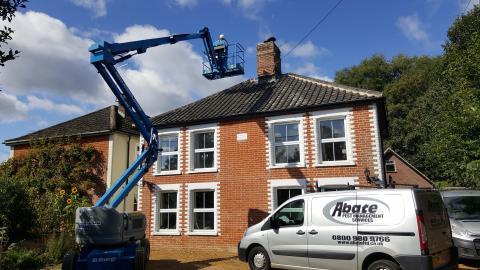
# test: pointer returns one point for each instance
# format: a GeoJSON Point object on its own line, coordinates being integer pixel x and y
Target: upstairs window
{"type": "Point", "coordinates": [390, 166]}
{"type": "Point", "coordinates": [204, 149]}
{"type": "Point", "coordinates": [286, 143]}
{"type": "Point", "coordinates": [168, 159]}
{"type": "Point", "coordinates": [332, 141]}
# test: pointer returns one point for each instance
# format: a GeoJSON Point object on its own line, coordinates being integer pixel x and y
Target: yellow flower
{"type": "Point", "coordinates": [74, 190]}
{"type": "Point", "coordinates": [69, 201]}
{"type": "Point", "coordinates": [62, 192]}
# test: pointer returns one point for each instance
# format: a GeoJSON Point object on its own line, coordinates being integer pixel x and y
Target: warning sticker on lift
{"type": "Point", "coordinates": [370, 240]}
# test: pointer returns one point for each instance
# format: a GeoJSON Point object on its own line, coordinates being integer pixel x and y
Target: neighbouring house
{"type": "Point", "coordinates": [402, 173]}
{"type": "Point", "coordinates": [107, 130]}
{"type": "Point", "coordinates": [232, 157]}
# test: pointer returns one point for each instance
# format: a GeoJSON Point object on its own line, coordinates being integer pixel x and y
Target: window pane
{"type": "Point", "coordinates": [198, 221]}
{"type": "Point", "coordinates": [327, 152]}
{"type": "Point", "coordinates": [291, 214]}
{"type": "Point", "coordinates": [209, 139]}
{"type": "Point", "coordinates": [295, 192]}
{"type": "Point", "coordinates": [199, 200]}
{"type": "Point", "coordinates": [199, 160]}
{"type": "Point", "coordinates": [280, 132]}
{"type": "Point", "coordinates": [168, 200]}
{"type": "Point", "coordinates": [164, 144]}
{"type": "Point", "coordinates": [208, 160]}
{"type": "Point", "coordinates": [199, 139]}
{"type": "Point", "coordinates": [209, 199]}
{"type": "Point", "coordinates": [326, 129]}
{"type": "Point", "coordinates": [338, 128]}
{"type": "Point", "coordinates": [340, 150]}
{"type": "Point", "coordinates": [167, 221]}
{"type": "Point", "coordinates": [174, 143]}
{"type": "Point", "coordinates": [281, 154]}
{"type": "Point", "coordinates": [282, 196]}
{"type": "Point", "coordinates": [292, 132]}
{"type": "Point", "coordinates": [390, 166]}
{"type": "Point", "coordinates": [209, 221]}
{"type": "Point", "coordinates": [293, 153]}
{"type": "Point", "coordinates": [173, 162]}
{"type": "Point", "coordinates": [165, 163]}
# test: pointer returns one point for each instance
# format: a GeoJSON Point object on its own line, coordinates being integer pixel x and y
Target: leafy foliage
{"type": "Point", "coordinates": [433, 103]}
{"type": "Point", "coordinates": [15, 213]}
{"type": "Point", "coordinates": [7, 13]}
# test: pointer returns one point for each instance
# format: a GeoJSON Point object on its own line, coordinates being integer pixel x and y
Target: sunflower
{"type": "Point", "coordinates": [62, 192]}
{"type": "Point", "coordinates": [69, 201]}
{"type": "Point", "coordinates": [74, 190]}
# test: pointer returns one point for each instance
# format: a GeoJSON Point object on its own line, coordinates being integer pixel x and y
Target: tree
{"type": "Point", "coordinates": [58, 176]}
{"type": "Point", "coordinates": [7, 13]}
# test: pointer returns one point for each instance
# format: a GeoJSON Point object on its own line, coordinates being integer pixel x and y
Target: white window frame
{"type": "Point", "coordinates": [392, 162]}
{"type": "Point", "coordinates": [156, 209]}
{"type": "Point", "coordinates": [202, 129]}
{"type": "Point", "coordinates": [343, 113]}
{"type": "Point", "coordinates": [334, 181]}
{"type": "Point", "coordinates": [279, 120]}
{"type": "Point", "coordinates": [276, 184]}
{"type": "Point", "coordinates": [199, 187]}
{"type": "Point", "coordinates": [157, 169]}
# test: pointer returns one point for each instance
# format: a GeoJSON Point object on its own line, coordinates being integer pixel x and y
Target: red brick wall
{"type": "Point", "coordinates": [406, 175]}
{"type": "Point", "coordinates": [243, 178]}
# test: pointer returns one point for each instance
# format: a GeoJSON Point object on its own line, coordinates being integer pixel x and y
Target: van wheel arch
{"type": "Point", "coordinates": [251, 247]}
{"type": "Point", "coordinates": [375, 257]}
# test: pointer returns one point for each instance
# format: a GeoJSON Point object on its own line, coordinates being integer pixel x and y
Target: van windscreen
{"type": "Point", "coordinates": [463, 207]}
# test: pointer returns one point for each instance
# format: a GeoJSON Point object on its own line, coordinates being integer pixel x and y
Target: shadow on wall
{"type": "Point", "coordinates": [255, 216]}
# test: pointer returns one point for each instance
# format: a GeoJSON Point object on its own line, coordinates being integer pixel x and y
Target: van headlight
{"type": "Point", "coordinates": [459, 232]}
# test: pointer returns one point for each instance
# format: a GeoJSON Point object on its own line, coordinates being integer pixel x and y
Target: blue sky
{"type": "Point", "coordinates": [52, 81]}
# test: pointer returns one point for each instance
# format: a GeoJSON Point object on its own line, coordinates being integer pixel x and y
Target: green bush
{"type": "Point", "coordinates": [15, 213]}
{"type": "Point", "coordinates": [57, 246]}
{"type": "Point", "coordinates": [17, 258]}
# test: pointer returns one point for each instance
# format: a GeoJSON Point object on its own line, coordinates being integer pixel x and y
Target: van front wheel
{"type": "Point", "coordinates": [258, 259]}
{"type": "Point", "coordinates": [383, 265]}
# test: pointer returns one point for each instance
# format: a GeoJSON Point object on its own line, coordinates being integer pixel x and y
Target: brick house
{"type": "Point", "coordinates": [232, 157]}
{"type": "Point", "coordinates": [107, 130]}
{"type": "Point", "coordinates": [403, 173]}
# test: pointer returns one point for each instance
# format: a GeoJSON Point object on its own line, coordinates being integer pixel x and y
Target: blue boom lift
{"type": "Point", "coordinates": [109, 239]}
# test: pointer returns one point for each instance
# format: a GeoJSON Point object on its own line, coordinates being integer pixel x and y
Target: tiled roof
{"type": "Point", "coordinates": [103, 121]}
{"type": "Point", "coordinates": [289, 92]}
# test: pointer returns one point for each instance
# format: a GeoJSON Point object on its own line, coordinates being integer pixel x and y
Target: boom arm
{"type": "Point", "coordinates": [104, 56]}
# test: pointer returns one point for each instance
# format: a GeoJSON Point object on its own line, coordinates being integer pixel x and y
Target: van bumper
{"type": "Point", "coordinates": [242, 253]}
{"type": "Point", "coordinates": [466, 249]}
{"type": "Point", "coordinates": [424, 262]}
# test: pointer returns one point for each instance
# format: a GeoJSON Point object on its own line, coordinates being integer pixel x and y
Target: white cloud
{"type": "Point", "coordinates": [54, 65]}
{"type": "Point", "coordinates": [466, 5]}
{"type": "Point", "coordinates": [11, 109]}
{"type": "Point", "coordinates": [311, 70]}
{"type": "Point", "coordinates": [414, 29]}
{"type": "Point", "coordinates": [249, 8]}
{"type": "Point", "coordinates": [305, 50]}
{"type": "Point", "coordinates": [98, 7]}
{"type": "Point", "coordinates": [186, 3]}
{"type": "Point", "coordinates": [53, 62]}
{"type": "Point", "coordinates": [48, 105]}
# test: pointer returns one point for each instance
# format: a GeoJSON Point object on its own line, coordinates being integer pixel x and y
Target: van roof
{"type": "Point", "coordinates": [400, 190]}
{"type": "Point", "coordinates": [458, 193]}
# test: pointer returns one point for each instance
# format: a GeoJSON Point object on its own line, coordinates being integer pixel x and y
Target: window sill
{"type": "Point", "coordinates": [200, 233]}
{"type": "Point", "coordinates": [283, 166]}
{"type": "Point", "coordinates": [160, 233]}
{"type": "Point", "coordinates": [167, 173]}
{"type": "Point", "coordinates": [335, 164]}
{"type": "Point", "coordinates": [209, 170]}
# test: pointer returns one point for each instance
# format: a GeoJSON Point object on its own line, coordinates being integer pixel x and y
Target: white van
{"type": "Point", "coordinates": [367, 229]}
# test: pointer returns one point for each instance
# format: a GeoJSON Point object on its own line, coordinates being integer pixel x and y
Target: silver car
{"type": "Point", "coordinates": [387, 229]}
{"type": "Point", "coordinates": [464, 211]}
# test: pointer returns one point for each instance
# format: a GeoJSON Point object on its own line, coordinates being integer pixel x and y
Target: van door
{"type": "Point", "coordinates": [435, 219]}
{"type": "Point", "coordinates": [287, 239]}
{"type": "Point", "coordinates": [332, 232]}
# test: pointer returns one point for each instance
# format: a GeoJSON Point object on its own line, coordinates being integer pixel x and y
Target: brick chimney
{"type": "Point", "coordinates": [269, 65]}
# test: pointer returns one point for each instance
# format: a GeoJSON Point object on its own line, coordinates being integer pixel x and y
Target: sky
{"type": "Point", "coordinates": [52, 81]}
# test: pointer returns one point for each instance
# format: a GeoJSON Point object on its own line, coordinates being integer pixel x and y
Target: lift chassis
{"type": "Point", "coordinates": [109, 239]}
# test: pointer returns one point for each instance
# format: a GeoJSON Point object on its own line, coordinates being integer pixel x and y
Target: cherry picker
{"type": "Point", "coordinates": [110, 239]}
